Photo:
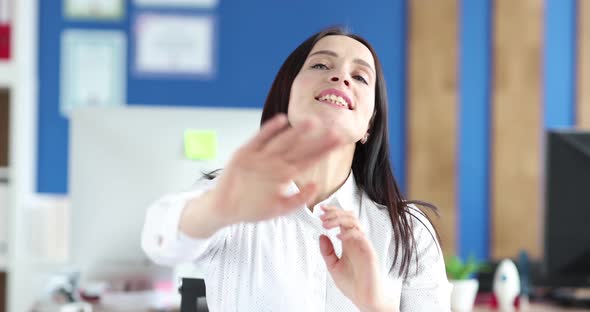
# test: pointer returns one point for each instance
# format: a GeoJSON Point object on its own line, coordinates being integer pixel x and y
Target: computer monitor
{"type": "Point", "coordinates": [123, 159]}
{"type": "Point", "coordinates": [567, 211]}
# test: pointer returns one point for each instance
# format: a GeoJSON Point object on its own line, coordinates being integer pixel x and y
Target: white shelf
{"type": "Point", "coordinates": [7, 74]}
{"type": "Point", "coordinates": [4, 174]}
{"type": "Point", "coordinates": [3, 263]}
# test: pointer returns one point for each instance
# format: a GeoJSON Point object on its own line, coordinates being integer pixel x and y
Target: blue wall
{"type": "Point", "coordinates": [254, 37]}
{"type": "Point", "coordinates": [559, 62]}
{"type": "Point", "coordinates": [475, 51]}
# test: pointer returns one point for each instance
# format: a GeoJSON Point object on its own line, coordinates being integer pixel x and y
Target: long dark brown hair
{"type": "Point", "coordinates": [371, 164]}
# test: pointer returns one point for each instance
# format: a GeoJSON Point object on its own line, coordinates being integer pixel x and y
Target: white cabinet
{"type": "Point", "coordinates": [4, 149]}
{"type": "Point", "coordinates": [4, 176]}
{"type": "Point", "coordinates": [7, 74]}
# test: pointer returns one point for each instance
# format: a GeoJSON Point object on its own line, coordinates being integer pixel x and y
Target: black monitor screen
{"type": "Point", "coordinates": [567, 211]}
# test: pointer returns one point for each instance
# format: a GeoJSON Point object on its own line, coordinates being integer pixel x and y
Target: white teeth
{"type": "Point", "coordinates": [334, 99]}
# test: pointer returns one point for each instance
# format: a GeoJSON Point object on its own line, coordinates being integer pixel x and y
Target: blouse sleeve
{"type": "Point", "coordinates": [426, 288]}
{"type": "Point", "coordinates": [161, 239]}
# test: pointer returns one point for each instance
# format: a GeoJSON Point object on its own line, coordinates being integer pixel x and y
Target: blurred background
{"type": "Point", "coordinates": [97, 98]}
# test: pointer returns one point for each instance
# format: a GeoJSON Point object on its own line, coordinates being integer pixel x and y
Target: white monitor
{"type": "Point", "coordinates": [123, 159]}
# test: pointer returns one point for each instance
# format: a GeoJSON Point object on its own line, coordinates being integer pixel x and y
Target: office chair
{"type": "Point", "coordinates": [192, 294]}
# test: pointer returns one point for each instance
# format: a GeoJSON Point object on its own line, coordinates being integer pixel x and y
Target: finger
{"type": "Point", "coordinates": [328, 208]}
{"type": "Point", "coordinates": [331, 211]}
{"type": "Point", "coordinates": [353, 235]}
{"type": "Point", "coordinates": [334, 214]}
{"type": "Point", "coordinates": [306, 193]}
{"type": "Point", "coordinates": [310, 153]}
{"type": "Point", "coordinates": [269, 129]}
{"type": "Point", "coordinates": [285, 141]}
{"type": "Point", "coordinates": [355, 244]}
{"type": "Point", "coordinates": [344, 222]}
{"type": "Point", "coordinates": [315, 141]}
{"type": "Point", "coordinates": [344, 219]}
{"type": "Point", "coordinates": [328, 252]}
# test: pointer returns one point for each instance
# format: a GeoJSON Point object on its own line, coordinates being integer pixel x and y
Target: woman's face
{"type": "Point", "coordinates": [337, 86]}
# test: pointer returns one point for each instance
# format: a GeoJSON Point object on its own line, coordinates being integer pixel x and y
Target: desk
{"type": "Point", "coordinates": [532, 308]}
{"type": "Point", "coordinates": [535, 307]}
{"type": "Point", "coordinates": [145, 301]}
{"type": "Point", "coordinates": [139, 302]}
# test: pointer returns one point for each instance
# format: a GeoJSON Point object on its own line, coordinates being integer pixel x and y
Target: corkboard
{"type": "Point", "coordinates": [583, 53]}
{"type": "Point", "coordinates": [516, 128]}
{"type": "Point", "coordinates": [432, 111]}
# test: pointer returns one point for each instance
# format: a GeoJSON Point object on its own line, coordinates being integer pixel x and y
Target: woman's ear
{"type": "Point", "coordinates": [368, 132]}
{"type": "Point", "coordinates": [365, 138]}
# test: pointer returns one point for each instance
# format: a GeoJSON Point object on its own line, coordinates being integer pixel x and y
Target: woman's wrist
{"type": "Point", "coordinates": [381, 307]}
{"type": "Point", "coordinates": [382, 304]}
{"type": "Point", "coordinates": [199, 218]}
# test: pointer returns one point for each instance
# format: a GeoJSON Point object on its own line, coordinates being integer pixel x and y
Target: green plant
{"type": "Point", "coordinates": [459, 270]}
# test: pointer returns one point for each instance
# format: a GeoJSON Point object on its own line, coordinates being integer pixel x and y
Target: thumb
{"type": "Point", "coordinates": [328, 252]}
{"type": "Point", "coordinates": [293, 201]}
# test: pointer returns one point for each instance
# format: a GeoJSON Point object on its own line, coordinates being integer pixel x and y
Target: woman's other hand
{"type": "Point", "coordinates": [356, 272]}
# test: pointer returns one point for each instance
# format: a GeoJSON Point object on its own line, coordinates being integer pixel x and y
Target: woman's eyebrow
{"type": "Point", "coordinates": [334, 54]}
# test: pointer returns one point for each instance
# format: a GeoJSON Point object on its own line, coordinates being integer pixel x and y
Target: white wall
{"type": "Point", "coordinates": [23, 275]}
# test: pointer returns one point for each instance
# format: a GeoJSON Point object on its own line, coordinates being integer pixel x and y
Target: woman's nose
{"type": "Point", "coordinates": [335, 79]}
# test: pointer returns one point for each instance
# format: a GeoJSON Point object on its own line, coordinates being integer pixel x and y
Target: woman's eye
{"type": "Point", "coordinates": [361, 79]}
{"type": "Point", "coordinates": [319, 66]}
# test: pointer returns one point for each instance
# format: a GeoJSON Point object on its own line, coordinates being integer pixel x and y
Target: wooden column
{"type": "Point", "coordinates": [432, 110]}
{"type": "Point", "coordinates": [517, 127]}
{"type": "Point", "coordinates": [583, 68]}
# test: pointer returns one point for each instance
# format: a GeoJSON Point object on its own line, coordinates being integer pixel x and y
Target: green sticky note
{"type": "Point", "coordinates": [200, 144]}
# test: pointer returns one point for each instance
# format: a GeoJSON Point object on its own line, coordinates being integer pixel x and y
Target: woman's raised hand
{"type": "Point", "coordinates": [252, 186]}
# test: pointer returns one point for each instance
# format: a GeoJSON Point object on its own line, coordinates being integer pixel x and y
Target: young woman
{"type": "Point", "coordinates": [307, 215]}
